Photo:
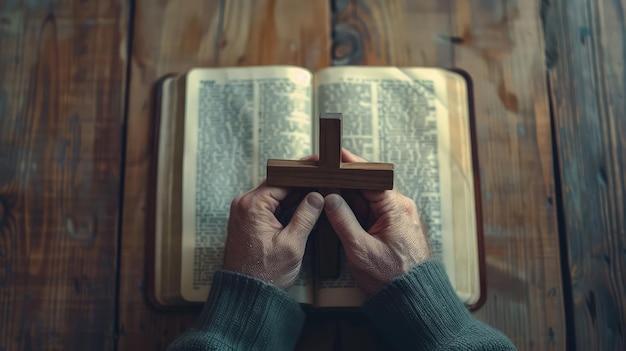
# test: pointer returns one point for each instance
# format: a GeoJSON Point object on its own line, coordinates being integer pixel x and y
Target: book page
{"type": "Point", "coordinates": [399, 116]}
{"type": "Point", "coordinates": [235, 119]}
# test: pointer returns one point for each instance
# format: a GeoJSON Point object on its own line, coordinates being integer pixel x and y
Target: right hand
{"type": "Point", "coordinates": [395, 242]}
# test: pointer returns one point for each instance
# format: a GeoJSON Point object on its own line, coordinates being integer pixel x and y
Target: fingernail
{"type": "Point", "coordinates": [316, 200]}
{"type": "Point", "coordinates": [332, 202]}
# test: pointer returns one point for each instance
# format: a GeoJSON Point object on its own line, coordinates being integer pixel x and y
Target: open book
{"type": "Point", "coordinates": [217, 128]}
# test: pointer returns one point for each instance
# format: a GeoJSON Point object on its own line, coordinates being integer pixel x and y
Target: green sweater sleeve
{"type": "Point", "coordinates": [420, 310]}
{"type": "Point", "coordinates": [243, 313]}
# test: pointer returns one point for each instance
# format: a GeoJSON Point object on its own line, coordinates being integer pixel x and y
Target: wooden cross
{"type": "Point", "coordinates": [329, 175]}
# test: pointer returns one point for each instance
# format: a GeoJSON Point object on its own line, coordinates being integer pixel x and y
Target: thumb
{"type": "Point", "coordinates": [344, 222]}
{"type": "Point", "coordinates": [305, 217]}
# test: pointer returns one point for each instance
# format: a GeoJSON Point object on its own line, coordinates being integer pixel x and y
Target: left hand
{"type": "Point", "coordinates": [258, 245]}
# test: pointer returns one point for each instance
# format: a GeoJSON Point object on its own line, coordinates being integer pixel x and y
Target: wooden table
{"type": "Point", "coordinates": [75, 83]}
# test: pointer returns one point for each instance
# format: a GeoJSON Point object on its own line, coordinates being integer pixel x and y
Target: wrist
{"type": "Point", "coordinates": [421, 302]}
{"type": "Point", "coordinates": [255, 314]}
{"type": "Point", "coordinates": [279, 280]}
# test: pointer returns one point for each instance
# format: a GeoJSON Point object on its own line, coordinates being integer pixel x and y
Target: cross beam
{"type": "Point", "coordinates": [329, 175]}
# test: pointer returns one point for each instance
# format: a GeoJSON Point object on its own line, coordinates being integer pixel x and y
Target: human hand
{"type": "Point", "coordinates": [394, 243]}
{"type": "Point", "coordinates": [258, 245]}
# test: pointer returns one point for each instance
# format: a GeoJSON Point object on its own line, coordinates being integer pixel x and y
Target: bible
{"type": "Point", "coordinates": [216, 128]}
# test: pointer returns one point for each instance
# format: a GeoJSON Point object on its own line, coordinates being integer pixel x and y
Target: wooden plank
{"type": "Point", "coordinates": [62, 69]}
{"type": "Point", "coordinates": [326, 241]}
{"type": "Point", "coordinates": [200, 33]}
{"type": "Point", "coordinates": [327, 244]}
{"type": "Point", "coordinates": [502, 48]}
{"type": "Point", "coordinates": [587, 86]}
{"type": "Point", "coordinates": [371, 176]}
{"type": "Point", "coordinates": [378, 33]}
{"type": "Point", "coordinates": [330, 140]}
{"type": "Point", "coordinates": [500, 44]}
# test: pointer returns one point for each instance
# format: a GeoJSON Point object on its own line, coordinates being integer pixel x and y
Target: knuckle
{"type": "Point", "coordinates": [234, 205]}
{"type": "Point", "coordinates": [290, 253]}
{"type": "Point", "coordinates": [344, 223]}
{"type": "Point", "coordinates": [360, 255]}
{"type": "Point", "coordinates": [408, 205]}
{"type": "Point", "coordinates": [303, 220]}
{"type": "Point", "coordinates": [243, 202]}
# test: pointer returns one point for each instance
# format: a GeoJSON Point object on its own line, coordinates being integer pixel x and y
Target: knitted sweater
{"type": "Point", "coordinates": [418, 311]}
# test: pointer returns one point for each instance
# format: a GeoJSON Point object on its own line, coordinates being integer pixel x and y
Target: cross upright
{"type": "Point", "coordinates": [329, 175]}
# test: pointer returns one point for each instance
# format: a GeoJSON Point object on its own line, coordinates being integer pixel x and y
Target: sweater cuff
{"type": "Point", "coordinates": [419, 308]}
{"type": "Point", "coordinates": [247, 313]}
